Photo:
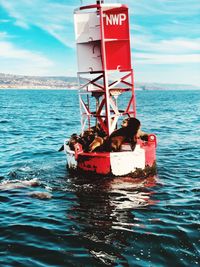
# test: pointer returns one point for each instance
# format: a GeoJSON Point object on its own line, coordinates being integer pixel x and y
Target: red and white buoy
{"type": "Point", "coordinates": [106, 92]}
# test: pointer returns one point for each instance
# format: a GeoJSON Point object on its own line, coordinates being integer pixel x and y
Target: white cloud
{"type": "Point", "coordinates": [10, 7]}
{"type": "Point", "coordinates": [149, 43]}
{"type": "Point", "coordinates": [148, 49]}
{"type": "Point", "coordinates": [159, 42]}
{"type": "Point", "coordinates": [23, 60]}
{"type": "Point", "coordinates": [164, 7]}
{"type": "Point", "coordinates": [165, 59]}
{"type": "Point", "coordinates": [182, 73]}
{"type": "Point", "coordinates": [3, 35]}
{"type": "Point", "coordinates": [54, 18]}
{"type": "Point", "coordinates": [57, 19]}
{"type": "Point", "coordinates": [4, 20]}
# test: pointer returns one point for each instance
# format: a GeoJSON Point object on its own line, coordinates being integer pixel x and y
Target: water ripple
{"type": "Point", "coordinates": [70, 220]}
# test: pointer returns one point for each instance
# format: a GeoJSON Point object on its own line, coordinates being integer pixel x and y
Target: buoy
{"type": "Point", "coordinates": [106, 93]}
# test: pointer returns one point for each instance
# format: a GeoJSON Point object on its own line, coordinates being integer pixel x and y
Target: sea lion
{"type": "Point", "coordinates": [9, 185]}
{"type": "Point", "coordinates": [40, 195]}
{"type": "Point", "coordinates": [128, 133]}
{"type": "Point", "coordinates": [97, 142]}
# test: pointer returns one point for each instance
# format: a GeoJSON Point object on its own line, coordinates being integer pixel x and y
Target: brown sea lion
{"type": "Point", "coordinates": [128, 133]}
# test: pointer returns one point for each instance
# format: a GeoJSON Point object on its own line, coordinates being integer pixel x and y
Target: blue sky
{"type": "Point", "coordinates": [37, 38]}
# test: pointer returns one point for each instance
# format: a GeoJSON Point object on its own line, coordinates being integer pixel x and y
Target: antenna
{"type": "Point", "coordinates": [98, 2]}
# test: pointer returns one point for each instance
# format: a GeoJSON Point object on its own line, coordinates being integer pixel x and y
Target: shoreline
{"type": "Point", "coordinates": [76, 89]}
{"type": "Point", "coordinates": [37, 88]}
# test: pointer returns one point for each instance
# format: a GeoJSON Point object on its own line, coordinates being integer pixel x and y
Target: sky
{"type": "Point", "coordinates": [37, 38]}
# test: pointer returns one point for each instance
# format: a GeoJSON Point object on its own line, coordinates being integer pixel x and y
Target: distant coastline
{"type": "Point", "coordinates": [10, 81]}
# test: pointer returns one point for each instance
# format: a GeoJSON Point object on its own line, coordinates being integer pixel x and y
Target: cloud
{"type": "Point", "coordinates": [163, 32]}
{"type": "Point", "coordinates": [181, 74]}
{"type": "Point", "coordinates": [11, 9]}
{"type": "Point", "coordinates": [149, 49]}
{"type": "Point", "coordinates": [149, 43]}
{"type": "Point", "coordinates": [183, 27]}
{"type": "Point", "coordinates": [23, 60]}
{"type": "Point", "coordinates": [4, 20]}
{"type": "Point", "coordinates": [54, 18]}
{"type": "Point", "coordinates": [165, 59]}
{"type": "Point", "coordinates": [164, 7]}
{"type": "Point", "coordinates": [3, 35]}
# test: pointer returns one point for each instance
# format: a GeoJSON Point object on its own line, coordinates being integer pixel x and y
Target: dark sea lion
{"type": "Point", "coordinates": [40, 195]}
{"type": "Point", "coordinates": [128, 133]}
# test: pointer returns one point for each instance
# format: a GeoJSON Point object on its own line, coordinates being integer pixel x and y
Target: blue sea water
{"type": "Point", "coordinates": [86, 221]}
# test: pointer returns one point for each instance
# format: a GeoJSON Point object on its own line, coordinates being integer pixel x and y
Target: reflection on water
{"type": "Point", "coordinates": [127, 194]}
{"type": "Point", "coordinates": [104, 213]}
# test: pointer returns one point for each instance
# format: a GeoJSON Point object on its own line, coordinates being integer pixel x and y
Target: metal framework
{"type": "Point", "coordinates": [104, 66]}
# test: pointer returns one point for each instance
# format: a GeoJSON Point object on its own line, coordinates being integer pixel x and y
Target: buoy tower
{"type": "Point", "coordinates": [106, 92]}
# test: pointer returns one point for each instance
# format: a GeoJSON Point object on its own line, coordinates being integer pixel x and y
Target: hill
{"type": "Point", "coordinates": [10, 81]}
{"type": "Point", "coordinates": [37, 82]}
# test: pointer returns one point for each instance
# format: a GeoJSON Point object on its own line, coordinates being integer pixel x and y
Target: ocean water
{"type": "Point", "coordinates": [51, 218]}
